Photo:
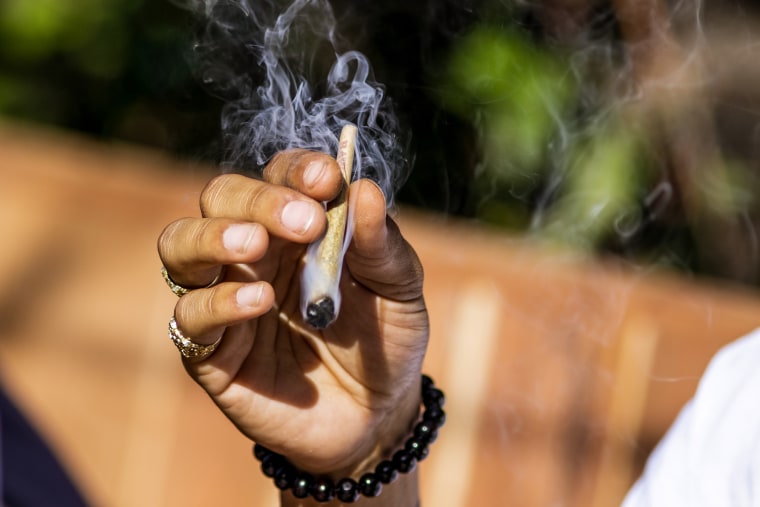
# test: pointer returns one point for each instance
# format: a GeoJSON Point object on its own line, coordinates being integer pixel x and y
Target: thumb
{"type": "Point", "coordinates": [379, 257]}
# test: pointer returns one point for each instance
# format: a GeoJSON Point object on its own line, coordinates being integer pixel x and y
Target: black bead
{"type": "Point", "coordinates": [386, 472]}
{"type": "Point", "coordinates": [433, 398]}
{"type": "Point", "coordinates": [347, 490]}
{"type": "Point", "coordinates": [302, 485]}
{"type": "Point", "coordinates": [427, 382]}
{"type": "Point", "coordinates": [425, 431]}
{"type": "Point", "coordinates": [285, 477]}
{"type": "Point", "coordinates": [260, 452]}
{"type": "Point", "coordinates": [271, 464]}
{"type": "Point", "coordinates": [370, 485]}
{"type": "Point", "coordinates": [404, 461]}
{"type": "Point", "coordinates": [323, 490]}
{"type": "Point", "coordinates": [417, 448]}
{"type": "Point", "coordinates": [435, 415]}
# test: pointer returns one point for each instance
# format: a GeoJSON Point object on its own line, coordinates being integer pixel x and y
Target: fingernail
{"type": "Point", "coordinates": [313, 173]}
{"type": "Point", "coordinates": [298, 216]}
{"type": "Point", "coordinates": [238, 237]}
{"type": "Point", "coordinates": [249, 295]}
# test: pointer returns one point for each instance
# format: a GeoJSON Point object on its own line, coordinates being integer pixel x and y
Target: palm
{"type": "Point", "coordinates": [292, 384]}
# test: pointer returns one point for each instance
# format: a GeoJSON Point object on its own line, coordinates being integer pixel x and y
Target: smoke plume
{"type": "Point", "coordinates": [288, 82]}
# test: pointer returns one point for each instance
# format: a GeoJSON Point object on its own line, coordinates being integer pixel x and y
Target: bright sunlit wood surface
{"type": "Point", "coordinates": [561, 372]}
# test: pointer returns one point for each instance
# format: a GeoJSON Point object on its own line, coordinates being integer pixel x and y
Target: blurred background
{"type": "Point", "coordinates": [583, 189]}
{"type": "Point", "coordinates": [611, 126]}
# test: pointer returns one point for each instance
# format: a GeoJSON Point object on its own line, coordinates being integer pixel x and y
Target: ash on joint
{"type": "Point", "coordinates": [321, 313]}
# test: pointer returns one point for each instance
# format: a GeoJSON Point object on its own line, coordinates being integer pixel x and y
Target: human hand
{"type": "Point", "coordinates": [332, 401]}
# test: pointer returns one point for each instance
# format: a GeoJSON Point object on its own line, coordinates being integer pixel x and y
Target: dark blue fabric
{"type": "Point", "coordinates": [31, 475]}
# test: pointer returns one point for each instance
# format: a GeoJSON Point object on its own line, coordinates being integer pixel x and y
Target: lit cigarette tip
{"type": "Point", "coordinates": [322, 299]}
{"type": "Point", "coordinates": [320, 314]}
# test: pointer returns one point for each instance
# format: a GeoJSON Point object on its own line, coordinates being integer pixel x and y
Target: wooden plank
{"type": "Point", "coordinates": [84, 346]}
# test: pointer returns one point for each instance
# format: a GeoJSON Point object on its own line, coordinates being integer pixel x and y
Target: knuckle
{"type": "Point", "coordinates": [167, 240]}
{"type": "Point", "coordinates": [211, 303]}
{"type": "Point", "coordinates": [270, 171]}
{"type": "Point", "coordinates": [212, 193]}
{"type": "Point", "coordinates": [164, 241]}
{"type": "Point", "coordinates": [198, 310]}
{"type": "Point", "coordinates": [258, 200]}
{"type": "Point", "coordinates": [203, 236]}
{"type": "Point", "coordinates": [284, 164]}
{"type": "Point", "coordinates": [419, 273]}
{"type": "Point", "coordinates": [184, 312]}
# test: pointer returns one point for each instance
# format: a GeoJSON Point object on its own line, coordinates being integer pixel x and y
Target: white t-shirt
{"type": "Point", "coordinates": [710, 457]}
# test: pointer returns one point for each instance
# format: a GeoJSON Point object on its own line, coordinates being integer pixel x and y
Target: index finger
{"type": "Point", "coordinates": [312, 173]}
{"type": "Point", "coordinates": [284, 212]}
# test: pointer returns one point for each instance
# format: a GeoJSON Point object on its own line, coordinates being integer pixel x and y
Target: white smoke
{"type": "Point", "coordinates": [286, 84]}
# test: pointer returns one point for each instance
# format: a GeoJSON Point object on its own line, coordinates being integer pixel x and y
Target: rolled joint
{"type": "Point", "coordinates": [320, 294]}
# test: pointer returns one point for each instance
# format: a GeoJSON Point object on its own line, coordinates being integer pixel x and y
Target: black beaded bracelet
{"type": "Point", "coordinates": [348, 490]}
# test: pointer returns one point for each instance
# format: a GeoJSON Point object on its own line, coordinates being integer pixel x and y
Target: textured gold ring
{"type": "Point", "coordinates": [187, 347]}
{"type": "Point", "coordinates": [179, 290]}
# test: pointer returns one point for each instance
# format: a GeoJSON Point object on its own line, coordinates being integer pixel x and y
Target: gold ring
{"type": "Point", "coordinates": [187, 347]}
{"type": "Point", "coordinates": [179, 290]}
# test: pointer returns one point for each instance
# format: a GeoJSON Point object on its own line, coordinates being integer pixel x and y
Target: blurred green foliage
{"type": "Point", "coordinates": [513, 92]}
{"type": "Point", "coordinates": [507, 126]}
{"type": "Point", "coordinates": [572, 152]}
{"type": "Point", "coordinates": [111, 68]}
{"type": "Point", "coordinates": [90, 32]}
{"type": "Point", "coordinates": [604, 178]}
{"type": "Point", "coordinates": [521, 97]}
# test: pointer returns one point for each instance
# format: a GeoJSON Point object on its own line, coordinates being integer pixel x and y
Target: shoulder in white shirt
{"type": "Point", "coordinates": [710, 456]}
